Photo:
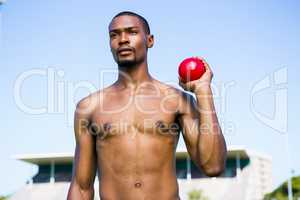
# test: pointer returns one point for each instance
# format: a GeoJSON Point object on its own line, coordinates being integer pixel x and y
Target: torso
{"type": "Point", "coordinates": [136, 139]}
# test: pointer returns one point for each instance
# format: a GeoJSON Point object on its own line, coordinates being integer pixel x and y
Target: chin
{"type": "Point", "coordinates": [126, 63]}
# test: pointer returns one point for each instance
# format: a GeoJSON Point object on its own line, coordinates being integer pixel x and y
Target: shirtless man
{"type": "Point", "coordinates": [129, 131]}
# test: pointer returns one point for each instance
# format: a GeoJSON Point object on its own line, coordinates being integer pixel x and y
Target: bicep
{"type": "Point", "coordinates": [85, 151]}
{"type": "Point", "coordinates": [189, 123]}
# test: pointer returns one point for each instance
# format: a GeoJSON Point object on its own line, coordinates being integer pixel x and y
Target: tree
{"type": "Point", "coordinates": [281, 193]}
{"type": "Point", "coordinates": [197, 195]}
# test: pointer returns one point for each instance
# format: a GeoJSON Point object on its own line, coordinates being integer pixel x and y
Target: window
{"type": "Point", "coordinates": [196, 172]}
{"type": "Point", "coordinates": [43, 176]}
{"type": "Point", "coordinates": [181, 168]}
{"type": "Point", "coordinates": [63, 172]}
{"type": "Point", "coordinates": [230, 170]}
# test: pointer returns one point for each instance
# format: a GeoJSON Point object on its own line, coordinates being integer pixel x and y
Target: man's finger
{"type": "Point", "coordinates": [206, 65]}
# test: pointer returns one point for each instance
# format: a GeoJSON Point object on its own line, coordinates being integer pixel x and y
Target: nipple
{"type": "Point", "coordinates": [107, 127]}
{"type": "Point", "coordinates": [162, 127]}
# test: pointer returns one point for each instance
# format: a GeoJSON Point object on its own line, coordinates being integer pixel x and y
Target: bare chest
{"type": "Point", "coordinates": [143, 114]}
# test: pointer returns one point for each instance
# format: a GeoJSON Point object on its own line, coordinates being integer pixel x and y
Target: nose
{"type": "Point", "coordinates": [123, 38]}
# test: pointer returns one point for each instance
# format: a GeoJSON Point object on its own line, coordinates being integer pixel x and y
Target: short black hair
{"type": "Point", "coordinates": [141, 18]}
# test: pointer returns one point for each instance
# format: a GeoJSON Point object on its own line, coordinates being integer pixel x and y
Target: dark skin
{"type": "Point", "coordinates": [129, 131]}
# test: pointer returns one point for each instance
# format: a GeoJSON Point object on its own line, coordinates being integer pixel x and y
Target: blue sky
{"type": "Point", "coordinates": [244, 42]}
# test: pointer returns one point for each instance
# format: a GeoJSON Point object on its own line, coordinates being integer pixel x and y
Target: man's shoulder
{"type": "Point", "coordinates": [173, 90]}
{"type": "Point", "coordinates": [95, 98]}
{"type": "Point", "coordinates": [183, 99]}
{"type": "Point", "coordinates": [90, 101]}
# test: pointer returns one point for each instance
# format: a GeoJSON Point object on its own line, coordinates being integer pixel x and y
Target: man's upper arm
{"type": "Point", "coordinates": [84, 167]}
{"type": "Point", "coordinates": [189, 123]}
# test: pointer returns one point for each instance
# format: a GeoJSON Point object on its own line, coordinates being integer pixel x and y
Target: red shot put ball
{"type": "Point", "coordinates": [191, 69]}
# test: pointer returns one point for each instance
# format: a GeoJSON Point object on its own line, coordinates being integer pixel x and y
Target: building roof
{"type": "Point", "coordinates": [47, 158]}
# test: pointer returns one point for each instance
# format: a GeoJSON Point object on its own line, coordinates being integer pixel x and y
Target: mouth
{"type": "Point", "coordinates": [124, 51]}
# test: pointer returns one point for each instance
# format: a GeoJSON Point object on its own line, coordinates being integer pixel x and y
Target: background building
{"type": "Point", "coordinates": [247, 177]}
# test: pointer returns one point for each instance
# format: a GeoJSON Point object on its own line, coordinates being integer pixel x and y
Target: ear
{"type": "Point", "coordinates": [150, 41]}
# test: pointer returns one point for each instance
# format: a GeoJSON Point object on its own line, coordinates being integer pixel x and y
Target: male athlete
{"type": "Point", "coordinates": [128, 132]}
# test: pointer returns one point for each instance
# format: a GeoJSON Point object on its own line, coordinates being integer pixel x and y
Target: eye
{"type": "Point", "coordinates": [112, 35]}
{"type": "Point", "coordinates": [133, 32]}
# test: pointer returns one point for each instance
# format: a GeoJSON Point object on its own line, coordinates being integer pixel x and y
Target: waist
{"type": "Point", "coordinates": [144, 188]}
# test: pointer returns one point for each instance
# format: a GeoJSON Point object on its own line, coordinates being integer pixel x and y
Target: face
{"type": "Point", "coordinates": [129, 41]}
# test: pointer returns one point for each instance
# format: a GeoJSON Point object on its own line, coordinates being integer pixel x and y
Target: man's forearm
{"type": "Point", "coordinates": [78, 193]}
{"type": "Point", "coordinates": [211, 143]}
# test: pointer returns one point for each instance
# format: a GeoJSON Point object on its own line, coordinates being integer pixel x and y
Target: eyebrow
{"type": "Point", "coordinates": [118, 30]}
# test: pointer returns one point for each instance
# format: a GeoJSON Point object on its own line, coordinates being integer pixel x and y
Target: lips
{"type": "Point", "coordinates": [124, 50]}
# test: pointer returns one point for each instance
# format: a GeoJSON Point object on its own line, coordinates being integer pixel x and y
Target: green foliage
{"type": "Point", "coordinates": [281, 193]}
{"type": "Point", "coordinates": [197, 195]}
{"type": "Point", "coordinates": [2, 198]}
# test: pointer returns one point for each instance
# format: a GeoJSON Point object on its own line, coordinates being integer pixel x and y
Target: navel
{"type": "Point", "coordinates": [138, 184]}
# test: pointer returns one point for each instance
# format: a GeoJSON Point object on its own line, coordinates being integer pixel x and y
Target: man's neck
{"type": "Point", "coordinates": [132, 77]}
